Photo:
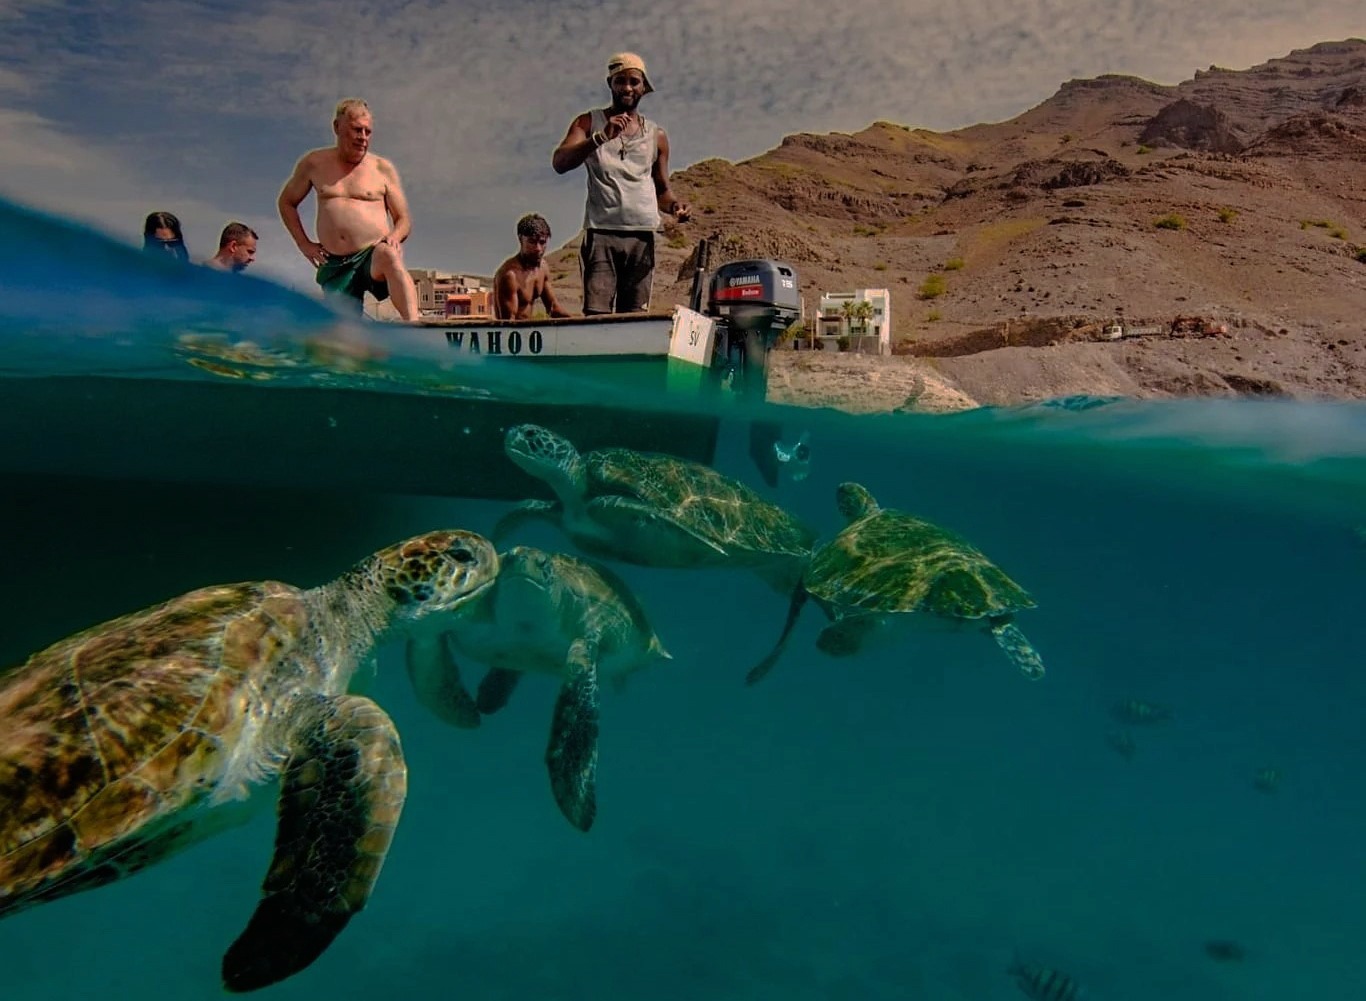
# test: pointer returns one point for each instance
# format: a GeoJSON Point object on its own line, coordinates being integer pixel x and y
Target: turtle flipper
{"type": "Point", "coordinates": [341, 793]}
{"type": "Point", "coordinates": [495, 689]}
{"type": "Point", "coordinates": [572, 754]}
{"type": "Point", "coordinates": [527, 511]}
{"type": "Point", "coordinates": [1020, 651]}
{"type": "Point", "coordinates": [435, 677]}
{"type": "Point", "coordinates": [794, 609]}
{"type": "Point", "coordinates": [845, 636]}
{"type": "Point", "coordinates": [646, 530]}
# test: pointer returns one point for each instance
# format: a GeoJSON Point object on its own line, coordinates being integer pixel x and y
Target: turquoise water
{"type": "Point", "coordinates": [898, 825]}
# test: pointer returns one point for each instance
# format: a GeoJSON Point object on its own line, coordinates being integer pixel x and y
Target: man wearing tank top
{"type": "Point", "coordinates": [626, 158]}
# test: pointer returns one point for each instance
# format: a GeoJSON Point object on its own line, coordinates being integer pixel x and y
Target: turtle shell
{"type": "Point", "coordinates": [700, 499]}
{"type": "Point", "coordinates": [575, 595]}
{"type": "Point", "coordinates": [890, 561]}
{"type": "Point", "coordinates": [610, 601]}
{"type": "Point", "coordinates": [108, 733]}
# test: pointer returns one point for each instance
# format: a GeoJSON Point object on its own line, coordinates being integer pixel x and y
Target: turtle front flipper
{"type": "Point", "coordinates": [495, 689]}
{"type": "Point", "coordinates": [794, 610]}
{"type": "Point", "coordinates": [1020, 651]}
{"type": "Point", "coordinates": [652, 535]}
{"type": "Point", "coordinates": [572, 754]}
{"type": "Point", "coordinates": [341, 793]}
{"type": "Point", "coordinates": [435, 677]}
{"type": "Point", "coordinates": [527, 511]}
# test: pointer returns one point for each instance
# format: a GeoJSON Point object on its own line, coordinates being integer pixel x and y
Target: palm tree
{"type": "Point", "coordinates": [862, 311]}
{"type": "Point", "coordinates": [847, 312]}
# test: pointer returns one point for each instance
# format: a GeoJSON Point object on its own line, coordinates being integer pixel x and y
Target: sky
{"type": "Point", "coordinates": [111, 109]}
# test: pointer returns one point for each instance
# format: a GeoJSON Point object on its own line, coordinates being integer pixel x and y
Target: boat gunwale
{"type": "Point", "coordinates": [604, 319]}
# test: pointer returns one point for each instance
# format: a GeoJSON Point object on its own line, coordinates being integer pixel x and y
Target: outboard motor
{"type": "Point", "coordinates": [752, 303]}
{"type": "Point", "coordinates": [794, 460]}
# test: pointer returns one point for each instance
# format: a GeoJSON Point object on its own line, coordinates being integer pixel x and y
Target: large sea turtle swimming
{"type": "Point", "coordinates": [554, 614]}
{"type": "Point", "coordinates": [885, 563]}
{"type": "Point", "coordinates": [128, 741]}
{"type": "Point", "coordinates": [656, 510]}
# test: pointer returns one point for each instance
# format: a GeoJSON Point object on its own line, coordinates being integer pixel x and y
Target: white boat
{"type": "Point", "coordinates": [632, 335]}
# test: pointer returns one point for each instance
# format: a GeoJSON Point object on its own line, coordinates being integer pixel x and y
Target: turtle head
{"type": "Point", "coordinates": [535, 566]}
{"type": "Point", "coordinates": [854, 501]}
{"type": "Point", "coordinates": [547, 456]}
{"type": "Point", "coordinates": [435, 573]}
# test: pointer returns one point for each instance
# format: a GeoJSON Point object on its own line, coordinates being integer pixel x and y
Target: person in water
{"type": "Point", "coordinates": [161, 235]}
{"type": "Point", "coordinates": [626, 158]}
{"type": "Point", "coordinates": [362, 216]}
{"type": "Point", "coordinates": [236, 248]}
{"type": "Point", "coordinates": [524, 278]}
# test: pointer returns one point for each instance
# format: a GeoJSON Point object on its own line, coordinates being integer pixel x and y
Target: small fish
{"type": "Point", "coordinates": [1266, 779]}
{"type": "Point", "coordinates": [1139, 713]}
{"type": "Point", "coordinates": [1042, 984]}
{"type": "Point", "coordinates": [1122, 743]}
{"type": "Point", "coordinates": [1225, 950]}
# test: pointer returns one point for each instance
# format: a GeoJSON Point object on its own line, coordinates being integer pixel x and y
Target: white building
{"type": "Point", "coordinates": [873, 334]}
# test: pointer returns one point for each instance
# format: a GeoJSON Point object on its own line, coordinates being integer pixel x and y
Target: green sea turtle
{"type": "Point", "coordinates": [555, 614]}
{"type": "Point", "coordinates": [888, 562]}
{"type": "Point", "coordinates": [132, 739]}
{"type": "Point", "coordinates": [656, 510]}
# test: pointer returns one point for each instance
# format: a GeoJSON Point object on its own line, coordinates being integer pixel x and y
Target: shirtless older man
{"type": "Point", "coordinates": [359, 192]}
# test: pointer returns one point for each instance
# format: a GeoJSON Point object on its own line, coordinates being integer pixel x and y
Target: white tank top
{"type": "Point", "coordinates": [621, 190]}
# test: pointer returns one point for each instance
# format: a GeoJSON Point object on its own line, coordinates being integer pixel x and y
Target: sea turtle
{"type": "Point", "coordinates": [549, 613]}
{"type": "Point", "coordinates": [118, 743]}
{"type": "Point", "coordinates": [656, 510]}
{"type": "Point", "coordinates": [887, 562]}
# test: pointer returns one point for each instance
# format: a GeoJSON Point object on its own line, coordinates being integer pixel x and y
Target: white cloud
{"type": "Point", "coordinates": [470, 99]}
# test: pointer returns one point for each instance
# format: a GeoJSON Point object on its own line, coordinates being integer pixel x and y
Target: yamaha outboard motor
{"type": "Point", "coordinates": [752, 304]}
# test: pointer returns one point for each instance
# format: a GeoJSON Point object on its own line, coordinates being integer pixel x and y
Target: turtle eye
{"type": "Point", "coordinates": [463, 556]}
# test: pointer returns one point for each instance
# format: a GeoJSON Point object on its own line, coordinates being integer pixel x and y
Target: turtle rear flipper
{"type": "Point", "coordinates": [794, 610]}
{"type": "Point", "coordinates": [495, 689]}
{"type": "Point", "coordinates": [846, 635]}
{"type": "Point", "coordinates": [572, 754]}
{"type": "Point", "coordinates": [1020, 651]}
{"type": "Point", "coordinates": [435, 677]}
{"type": "Point", "coordinates": [341, 793]}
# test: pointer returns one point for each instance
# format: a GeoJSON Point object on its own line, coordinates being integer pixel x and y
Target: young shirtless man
{"type": "Point", "coordinates": [358, 249]}
{"type": "Point", "coordinates": [525, 277]}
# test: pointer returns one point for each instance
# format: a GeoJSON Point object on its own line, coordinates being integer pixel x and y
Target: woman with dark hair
{"type": "Point", "coordinates": [161, 234]}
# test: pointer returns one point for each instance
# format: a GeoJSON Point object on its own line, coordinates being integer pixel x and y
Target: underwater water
{"type": "Point", "coordinates": [903, 823]}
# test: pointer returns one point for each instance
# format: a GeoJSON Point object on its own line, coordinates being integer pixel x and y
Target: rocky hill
{"type": "Point", "coordinates": [1236, 198]}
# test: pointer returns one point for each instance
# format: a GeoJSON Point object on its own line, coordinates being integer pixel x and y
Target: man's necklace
{"type": "Point", "coordinates": [637, 137]}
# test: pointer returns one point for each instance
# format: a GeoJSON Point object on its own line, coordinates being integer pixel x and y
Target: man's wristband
{"type": "Point", "coordinates": [598, 138]}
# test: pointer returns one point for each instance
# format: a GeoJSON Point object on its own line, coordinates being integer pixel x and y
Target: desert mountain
{"type": "Point", "coordinates": [1237, 197]}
